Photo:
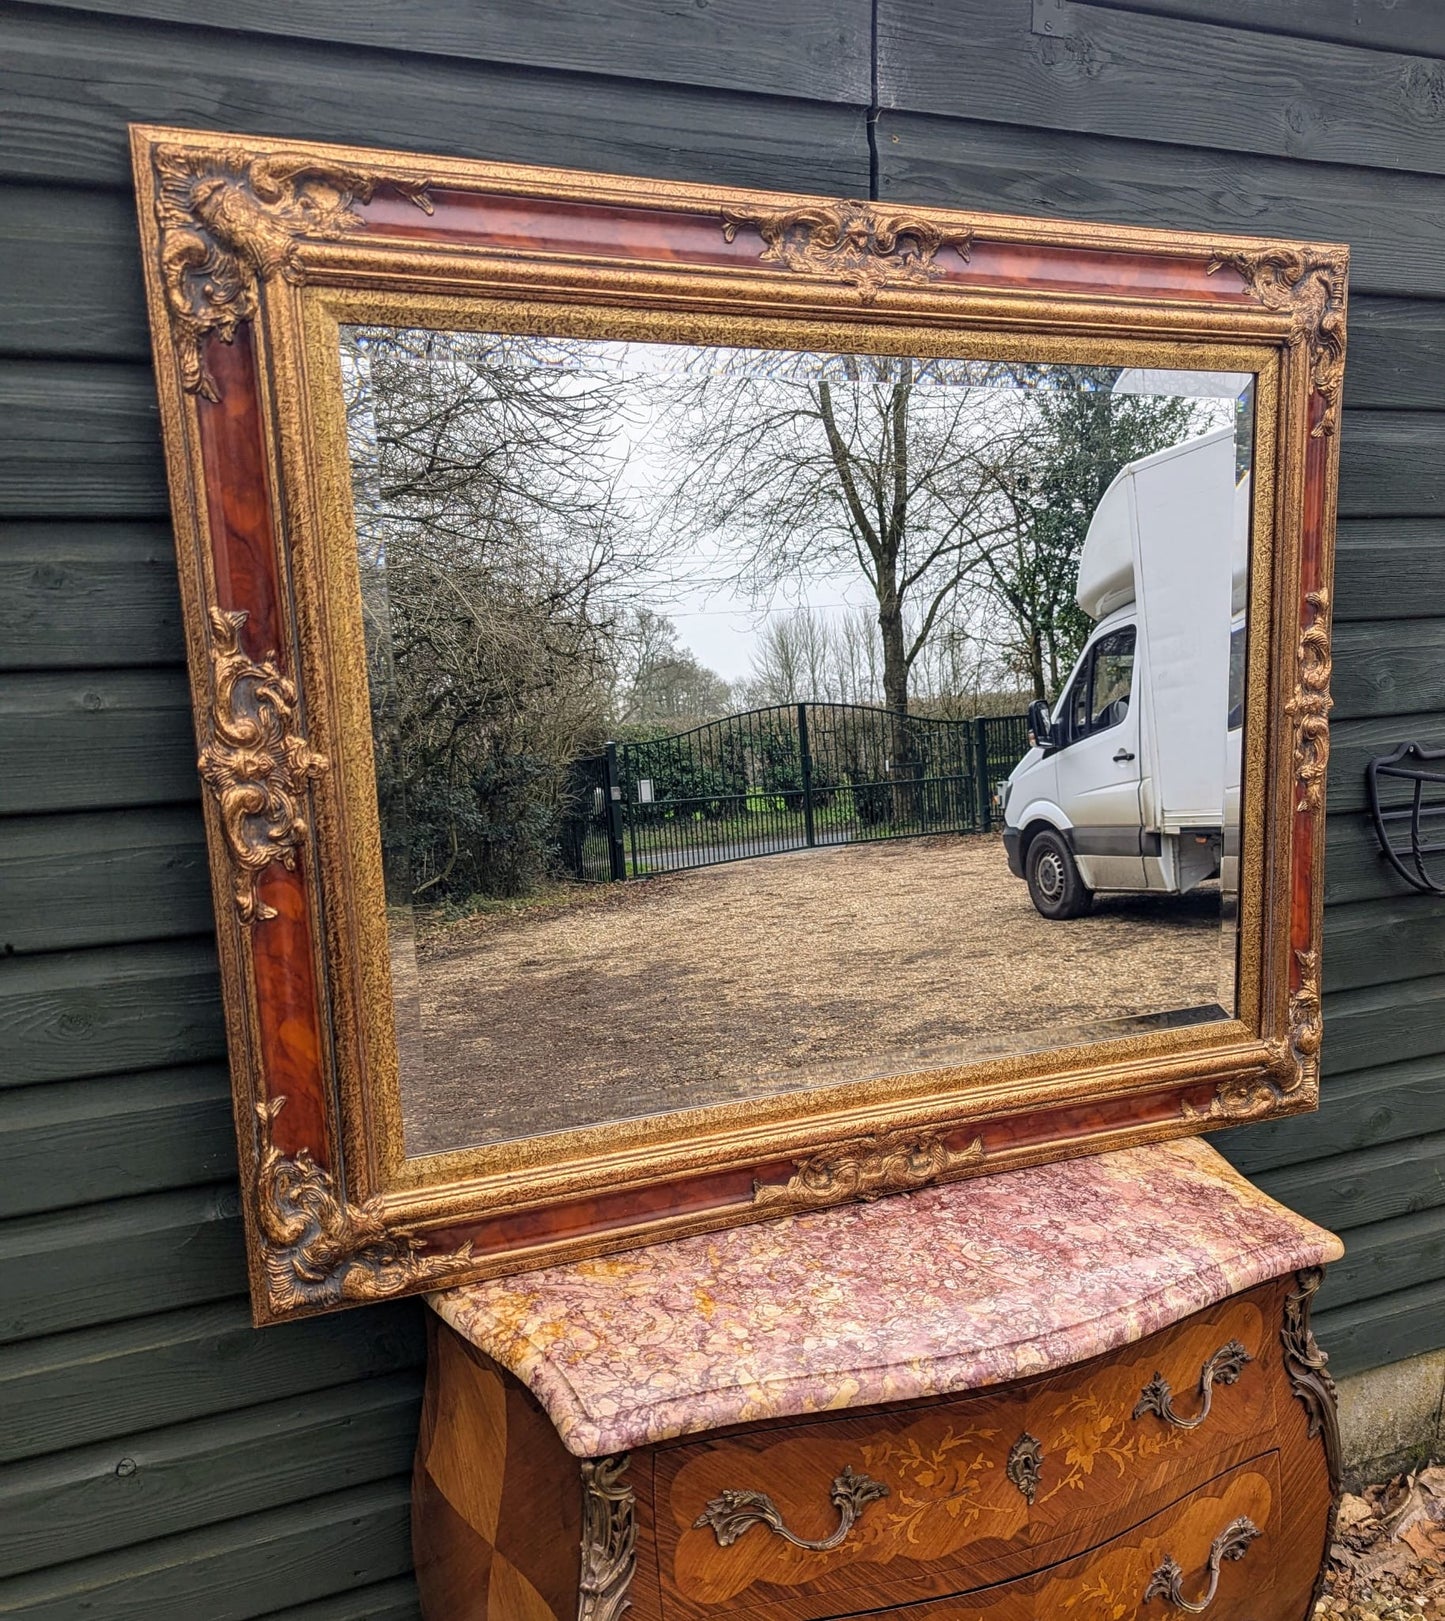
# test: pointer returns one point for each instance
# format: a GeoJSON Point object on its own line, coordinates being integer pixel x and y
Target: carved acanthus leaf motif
{"type": "Point", "coordinates": [1309, 286]}
{"type": "Point", "coordinates": [1309, 1377]}
{"type": "Point", "coordinates": [609, 1539]}
{"type": "Point", "coordinates": [868, 246]}
{"type": "Point", "coordinates": [866, 1168]}
{"type": "Point", "coordinates": [254, 761]}
{"type": "Point", "coordinates": [231, 220]}
{"type": "Point", "coordinates": [1310, 706]}
{"type": "Point", "coordinates": [320, 1250]}
{"type": "Point", "coordinates": [1306, 1022]}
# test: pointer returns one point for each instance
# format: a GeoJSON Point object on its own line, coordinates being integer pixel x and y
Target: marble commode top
{"type": "Point", "coordinates": [922, 1294]}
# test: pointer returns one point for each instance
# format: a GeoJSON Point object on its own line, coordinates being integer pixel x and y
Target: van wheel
{"type": "Point", "coordinates": [1055, 886]}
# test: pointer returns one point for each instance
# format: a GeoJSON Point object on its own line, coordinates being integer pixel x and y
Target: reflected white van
{"type": "Point", "coordinates": [1132, 782]}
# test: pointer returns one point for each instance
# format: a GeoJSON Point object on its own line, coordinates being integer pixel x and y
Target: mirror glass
{"type": "Point", "coordinates": [702, 683]}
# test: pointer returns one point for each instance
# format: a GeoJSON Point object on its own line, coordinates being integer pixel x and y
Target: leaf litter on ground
{"type": "Point", "coordinates": [1387, 1562]}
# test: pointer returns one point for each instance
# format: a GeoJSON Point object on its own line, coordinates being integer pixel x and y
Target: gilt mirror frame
{"type": "Point", "coordinates": [255, 251]}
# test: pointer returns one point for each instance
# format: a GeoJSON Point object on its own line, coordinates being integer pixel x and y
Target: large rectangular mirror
{"type": "Point", "coordinates": [960, 643]}
{"type": "Point", "coordinates": [714, 704]}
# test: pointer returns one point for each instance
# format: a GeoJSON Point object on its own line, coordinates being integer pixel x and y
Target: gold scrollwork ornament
{"type": "Point", "coordinates": [609, 1539]}
{"type": "Point", "coordinates": [1310, 706]}
{"type": "Point", "coordinates": [255, 762]}
{"type": "Point", "coordinates": [1308, 285]}
{"type": "Point", "coordinates": [321, 1250]}
{"type": "Point", "coordinates": [231, 220]}
{"type": "Point", "coordinates": [867, 246]}
{"type": "Point", "coordinates": [867, 1168]}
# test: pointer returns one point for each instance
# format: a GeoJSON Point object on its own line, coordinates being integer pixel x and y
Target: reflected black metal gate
{"type": "Point", "coordinates": [784, 778]}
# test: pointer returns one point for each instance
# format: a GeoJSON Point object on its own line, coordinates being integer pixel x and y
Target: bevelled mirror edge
{"type": "Point", "coordinates": [239, 237]}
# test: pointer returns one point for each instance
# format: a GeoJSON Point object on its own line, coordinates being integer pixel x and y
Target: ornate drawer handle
{"type": "Point", "coordinates": [732, 1513]}
{"type": "Point", "coordinates": [1223, 1368]}
{"type": "Point", "coordinates": [1231, 1543]}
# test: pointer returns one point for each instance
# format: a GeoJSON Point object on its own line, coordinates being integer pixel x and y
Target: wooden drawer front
{"type": "Point", "coordinates": [957, 1513]}
{"type": "Point", "coordinates": [1139, 1573]}
{"type": "Point", "coordinates": [950, 1507]}
{"type": "Point", "coordinates": [1098, 1457]}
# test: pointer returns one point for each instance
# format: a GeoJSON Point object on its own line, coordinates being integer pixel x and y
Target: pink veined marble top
{"type": "Point", "coordinates": [922, 1294]}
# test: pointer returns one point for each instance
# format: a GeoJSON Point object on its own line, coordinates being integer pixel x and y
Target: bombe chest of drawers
{"type": "Point", "coordinates": [1087, 1390]}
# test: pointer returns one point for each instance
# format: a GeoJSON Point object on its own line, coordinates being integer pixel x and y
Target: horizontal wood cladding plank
{"type": "Point", "coordinates": [88, 595]}
{"type": "Point", "coordinates": [812, 49]}
{"type": "Point", "coordinates": [1104, 72]}
{"type": "Point", "coordinates": [1374, 1184]}
{"type": "Point", "coordinates": [80, 439]}
{"type": "Point", "coordinates": [1360, 1110]}
{"type": "Point", "coordinates": [1392, 222]}
{"type": "Point", "coordinates": [1387, 1257]}
{"type": "Point", "coordinates": [1415, 26]}
{"type": "Point", "coordinates": [93, 1499]}
{"type": "Point", "coordinates": [108, 1011]}
{"type": "Point", "coordinates": [107, 1381]}
{"type": "Point", "coordinates": [70, 281]}
{"type": "Point", "coordinates": [234, 1571]}
{"type": "Point", "coordinates": [387, 1601]}
{"type": "Point", "coordinates": [71, 85]}
{"type": "Point", "coordinates": [73, 1142]}
{"type": "Point", "coordinates": [1389, 569]}
{"type": "Point", "coordinates": [1384, 1024]}
{"type": "Point", "coordinates": [96, 739]}
{"type": "Point", "coordinates": [1388, 667]}
{"type": "Point", "coordinates": [103, 878]}
{"type": "Point", "coordinates": [1370, 1333]}
{"type": "Point", "coordinates": [124, 1258]}
{"type": "Point", "coordinates": [1396, 354]}
{"type": "Point", "coordinates": [1374, 942]}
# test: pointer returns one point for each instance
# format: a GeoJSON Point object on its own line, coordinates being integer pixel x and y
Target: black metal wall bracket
{"type": "Point", "coordinates": [1407, 801]}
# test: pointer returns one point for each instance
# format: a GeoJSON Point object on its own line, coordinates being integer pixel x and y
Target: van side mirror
{"type": "Point", "coordinates": [1041, 728]}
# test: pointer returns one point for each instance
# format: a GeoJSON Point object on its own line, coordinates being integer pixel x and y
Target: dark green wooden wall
{"type": "Point", "coordinates": [159, 1459]}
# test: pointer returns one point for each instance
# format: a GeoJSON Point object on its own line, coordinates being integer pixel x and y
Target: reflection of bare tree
{"type": "Point", "coordinates": [490, 546]}
{"type": "Point", "coordinates": [861, 463]}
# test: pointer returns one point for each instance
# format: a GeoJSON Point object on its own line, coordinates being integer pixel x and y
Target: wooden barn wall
{"type": "Point", "coordinates": [158, 1458]}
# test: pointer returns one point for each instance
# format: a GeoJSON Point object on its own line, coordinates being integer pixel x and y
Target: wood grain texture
{"type": "Point", "coordinates": [1389, 569]}
{"type": "Point", "coordinates": [88, 596]}
{"type": "Point", "coordinates": [815, 49]}
{"type": "Point", "coordinates": [96, 739]}
{"type": "Point", "coordinates": [496, 1499]}
{"type": "Point", "coordinates": [79, 439]}
{"type": "Point", "coordinates": [105, 1382]}
{"type": "Point", "coordinates": [58, 1271]}
{"type": "Point", "coordinates": [1136, 75]}
{"type": "Point", "coordinates": [1388, 1328]}
{"type": "Point", "coordinates": [73, 1142]}
{"type": "Point", "coordinates": [71, 1014]}
{"type": "Point", "coordinates": [93, 1499]}
{"type": "Point", "coordinates": [227, 1572]}
{"type": "Point", "coordinates": [1401, 25]}
{"type": "Point", "coordinates": [70, 87]}
{"type": "Point", "coordinates": [93, 879]}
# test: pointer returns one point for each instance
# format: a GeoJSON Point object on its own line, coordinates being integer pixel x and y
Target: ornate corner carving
{"type": "Point", "coordinates": [255, 761]}
{"type": "Point", "coordinates": [1025, 1466]}
{"type": "Point", "coordinates": [230, 221]}
{"type": "Point", "coordinates": [1309, 707]}
{"type": "Point", "coordinates": [866, 1168]}
{"type": "Point", "coordinates": [1308, 285]}
{"type": "Point", "coordinates": [868, 246]}
{"type": "Point", "coordinates": [320, 1250]}
{"type": "Point", "coordinates": [609, 1539]}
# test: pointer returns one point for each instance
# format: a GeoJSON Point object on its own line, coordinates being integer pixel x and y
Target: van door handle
{"type": "Point", "coordinates": [1122, 756]}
